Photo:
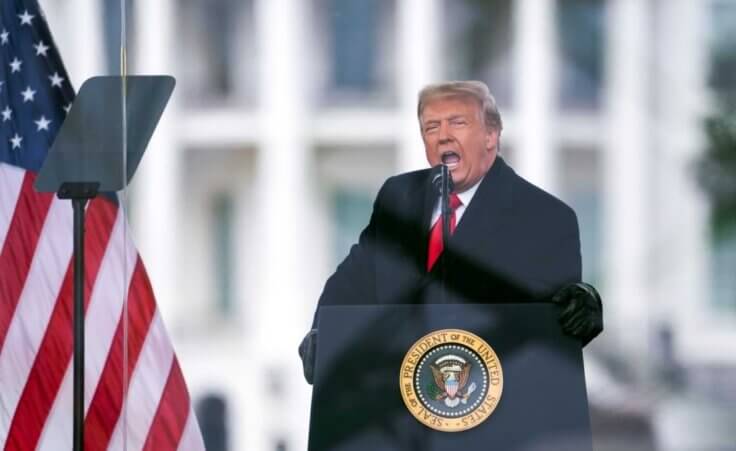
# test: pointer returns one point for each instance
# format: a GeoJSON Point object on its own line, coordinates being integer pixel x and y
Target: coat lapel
{"type": "Point", "coordinates": [488, 207]}
{"type": "Point", "coordinates": [488, 210]}
{"type": "Point", "coordinates": [422, 201]}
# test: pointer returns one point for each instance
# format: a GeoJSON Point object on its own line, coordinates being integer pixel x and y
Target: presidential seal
{"type": "Point", "coordinates": [451, 380]}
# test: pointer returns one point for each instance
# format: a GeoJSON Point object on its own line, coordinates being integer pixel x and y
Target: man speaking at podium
{"type": "Point", "coordinates": [509, 241]}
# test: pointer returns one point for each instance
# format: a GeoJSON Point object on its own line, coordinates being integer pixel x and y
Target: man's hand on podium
{"type": "Point", "coordinates": [307, 352]}
{"type": "Point", "coordinates": [582, 311]}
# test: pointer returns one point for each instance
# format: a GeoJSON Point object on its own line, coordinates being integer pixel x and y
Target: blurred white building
{"type": "Point", "coordinates": [289, 114]}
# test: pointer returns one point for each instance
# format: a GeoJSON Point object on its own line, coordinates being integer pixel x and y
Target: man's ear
{"type": "Point", "coordinates": [491, 139]}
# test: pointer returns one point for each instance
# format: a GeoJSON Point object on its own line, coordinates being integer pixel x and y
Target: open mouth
{"type": "Point", "coordinates": [450, 158]}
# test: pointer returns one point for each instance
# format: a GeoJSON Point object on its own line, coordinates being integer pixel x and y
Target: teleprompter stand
{"type": "Point", "coordinates": [98, 149]}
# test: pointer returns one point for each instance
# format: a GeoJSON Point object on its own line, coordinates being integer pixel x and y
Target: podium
{"type": "Point", "coordinates": [386, 378]}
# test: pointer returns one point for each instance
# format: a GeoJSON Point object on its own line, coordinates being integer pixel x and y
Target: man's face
{"type": "Point", "coordinates": [455, 134]}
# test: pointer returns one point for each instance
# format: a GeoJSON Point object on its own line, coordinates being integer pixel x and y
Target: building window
{"type": "Point", "coordinates": [478, 43]}
{"type": "Point", "coordinates": [580, 25]}
{"type": "Point", "coordinates": [718, 171]}
{"type": "Point", "coordinates": [214, 234]}
{"type": "Point", "coordinates": [723, 263]}
{"type": "Point", "coordinates": [217, 51]}
{"type": "Point", "coordinates": [722, 76]}
{"type": "Point", "coordinates": [212, 414]}
{"type": "Point", "coordinates": [358, 39]}
{"type": "Point", "coordinates": [354, 25]}
{"type": "Point", "coordinates": [581, 178]}
{"type": "Point", "coordinates": [351, 176]}
{"type": "Point", "coordinates": [222, 230]}
{"type": "Point", "coordinates": [351, 211]}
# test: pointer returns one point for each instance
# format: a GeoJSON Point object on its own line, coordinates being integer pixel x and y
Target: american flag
{"type": "Point", "coordinates": [36, 283]}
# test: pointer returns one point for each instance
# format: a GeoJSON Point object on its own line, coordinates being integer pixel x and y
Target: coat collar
{"type": "Point", "coordinates": [492, 200]}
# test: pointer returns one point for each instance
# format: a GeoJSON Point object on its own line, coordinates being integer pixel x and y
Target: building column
{"type": "Point", "coordinates": [86, 33]}
{"type": "Point", "coordinates": [627, 179]}
{"type": "Point", "coordinates": [155, 187]}
{"type": "Point", "coordinates": [681, 277]}
{"type": "Point", "coordinates": [419, 54]}
{"type": "Point", "coordinates": [534, 90]}
{"type": "Point", "coordinates": [283, 250]}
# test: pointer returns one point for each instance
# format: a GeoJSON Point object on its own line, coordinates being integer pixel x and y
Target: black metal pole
{"type": "Point", "coordinates": [79, 193]}
{"type": "Point", "coordinates": [78, 205]}
{"type": "Point", "coordinates": [445, 214]}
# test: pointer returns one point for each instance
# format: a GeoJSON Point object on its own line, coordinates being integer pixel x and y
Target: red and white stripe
{"type": "Point", "coordinates": [36, 336]}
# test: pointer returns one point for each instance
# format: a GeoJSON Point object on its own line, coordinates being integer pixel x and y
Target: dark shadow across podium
{"type": "Point", "coordinates": [357, 405]}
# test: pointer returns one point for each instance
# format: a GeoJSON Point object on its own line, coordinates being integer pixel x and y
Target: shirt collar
{"type": "Point", "coordinates": [467, 195]}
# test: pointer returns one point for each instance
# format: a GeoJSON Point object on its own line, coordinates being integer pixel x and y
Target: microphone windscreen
{"type": "Point", "coordinates": [436, 178]}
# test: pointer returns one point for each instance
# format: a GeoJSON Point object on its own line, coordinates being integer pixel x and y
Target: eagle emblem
{"type": "Point", "coordinates": [451, 380]}
{"type": "Point", "coordinates": [451, 374]}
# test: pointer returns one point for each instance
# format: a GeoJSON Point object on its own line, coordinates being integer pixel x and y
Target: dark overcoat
{"type": "Point", "coordinates": [514, 243]}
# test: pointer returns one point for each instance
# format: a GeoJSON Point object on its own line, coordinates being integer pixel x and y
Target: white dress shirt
{"type": "Point", "coordinates": [465, 197]}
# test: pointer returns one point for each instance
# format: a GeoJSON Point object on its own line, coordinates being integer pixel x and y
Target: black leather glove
{"type": "Point", "coordinates": [307, 352]}
{"type": "Point", "coordinates": [582, 311]}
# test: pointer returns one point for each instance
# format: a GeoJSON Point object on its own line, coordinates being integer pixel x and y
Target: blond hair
{"type": "Point", "coordinates": [473, 89]}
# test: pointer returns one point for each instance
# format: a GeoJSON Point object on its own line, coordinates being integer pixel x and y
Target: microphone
{"type": "Point", "coordinates": [441, 176]}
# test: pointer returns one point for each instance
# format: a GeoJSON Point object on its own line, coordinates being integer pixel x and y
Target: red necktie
{"type": "Point", "coordinates": [435, 235]}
